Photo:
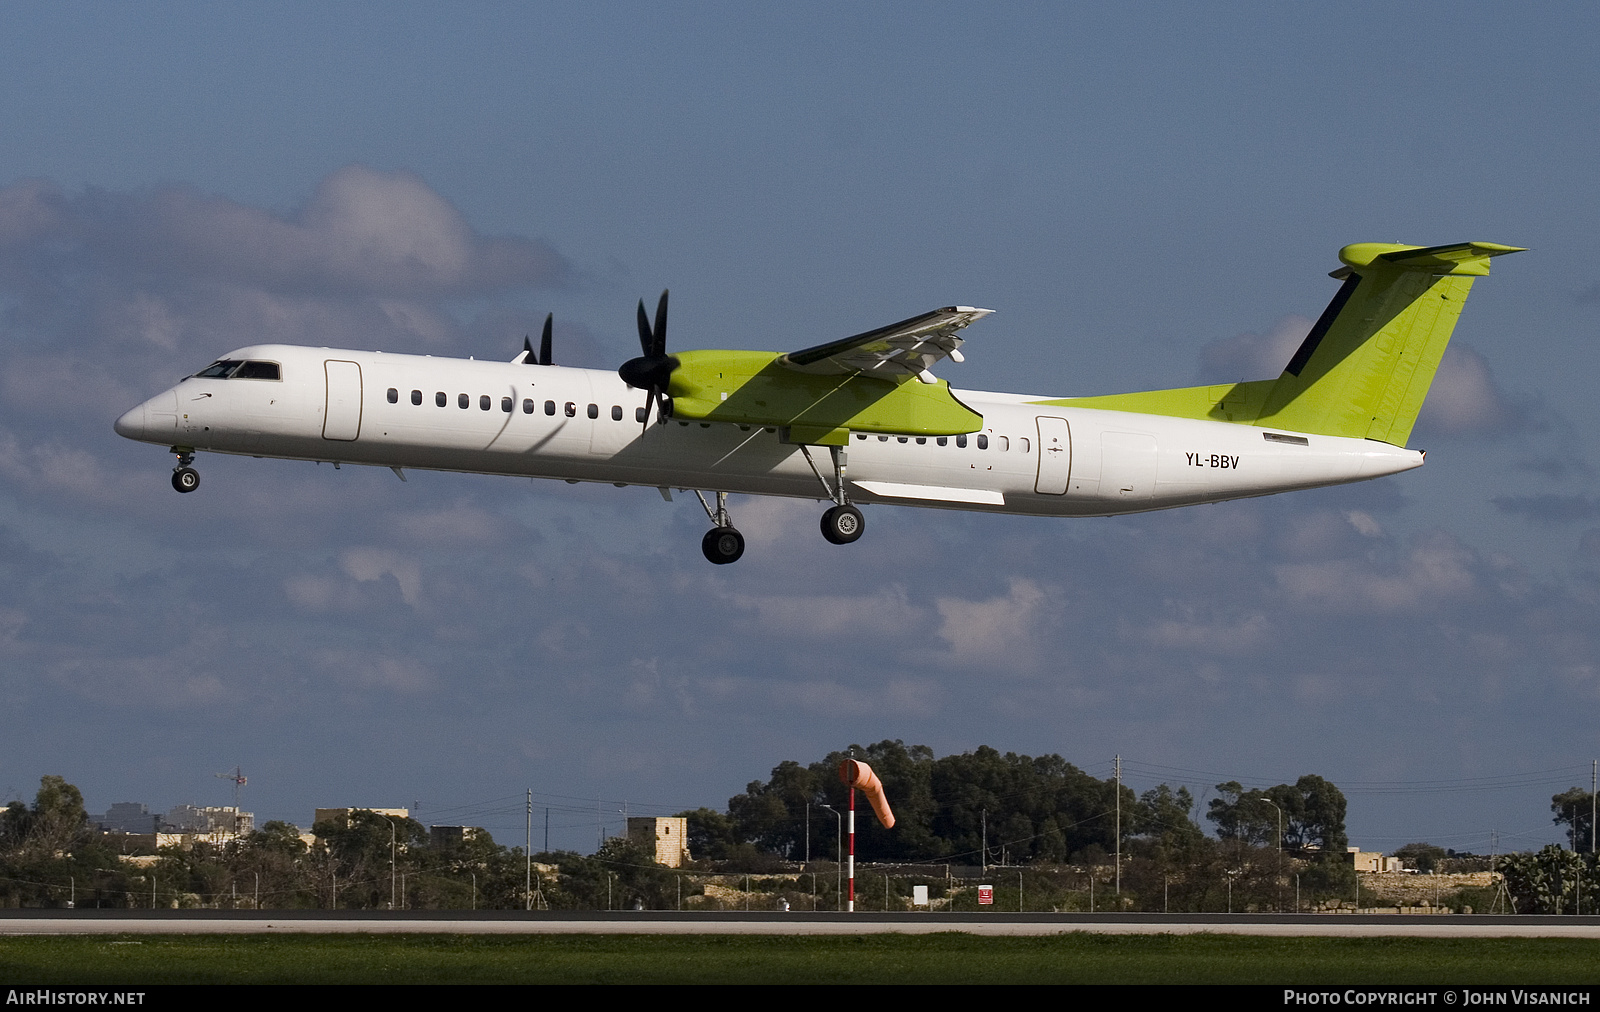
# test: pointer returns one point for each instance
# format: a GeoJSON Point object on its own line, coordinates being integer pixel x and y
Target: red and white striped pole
{"type": "Point", "coordinates": [855, 774]}
{"type": "Point", "coordinates": [852, 902]}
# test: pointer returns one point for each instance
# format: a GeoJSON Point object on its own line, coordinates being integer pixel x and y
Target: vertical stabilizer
{"type": "Point", "coordinates": [1365, 367]}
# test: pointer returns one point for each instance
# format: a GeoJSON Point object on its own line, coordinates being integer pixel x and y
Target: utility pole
{"type": "Point", "coordinates": [527, 880]}
{"type": "Point", "coordinates": [985, 858]}
{"type": "Point", "coordinates": [1594, 774]}
{"type": "Point", "coordinates": [1117, 760]}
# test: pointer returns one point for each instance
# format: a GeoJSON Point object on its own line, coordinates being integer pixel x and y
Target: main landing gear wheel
{"type": "Point", "coordinates": [185, 479]}
{"type": "Point", "coordinates": [843, 524]}
{"type": "Point", "coordinates": [722, 545]}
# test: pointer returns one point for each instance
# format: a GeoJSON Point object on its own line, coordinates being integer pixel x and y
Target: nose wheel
{"type": "Point", "coordinates": [184, 477]}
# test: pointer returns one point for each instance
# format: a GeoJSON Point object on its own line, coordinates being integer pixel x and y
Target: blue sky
{"type": "Point", "coordinates": [1148, 195]}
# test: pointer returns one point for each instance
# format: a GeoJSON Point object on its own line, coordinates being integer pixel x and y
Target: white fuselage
{"type": "Point", "coordinates": [358, 407]}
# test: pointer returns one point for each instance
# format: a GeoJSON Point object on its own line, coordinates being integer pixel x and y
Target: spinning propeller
{"type": "Point", "coordinates": [651, 371]}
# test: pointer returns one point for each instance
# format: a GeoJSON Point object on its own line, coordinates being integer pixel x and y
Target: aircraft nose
{"type": "Point", "coordinates": [132, 423]}
{"type": "Point", "coordinates": [154, 421]}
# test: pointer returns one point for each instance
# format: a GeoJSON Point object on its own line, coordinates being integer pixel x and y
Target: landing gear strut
{"type": "Point", "coordinates": [842, 523]}
{"type": "Point", "coordinates": [184, 477]}
{"type": "Point", "coordinates": [722, 544]}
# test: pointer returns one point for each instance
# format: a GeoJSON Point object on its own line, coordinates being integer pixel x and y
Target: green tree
{"type": "Point", "coordinates": [1574, 809]}
{"type": "Point", "coordinates": [1424, 857]}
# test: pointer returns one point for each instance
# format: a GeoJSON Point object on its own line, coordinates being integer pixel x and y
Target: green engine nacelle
{"type": "Point", "coordinates": [751, 388]}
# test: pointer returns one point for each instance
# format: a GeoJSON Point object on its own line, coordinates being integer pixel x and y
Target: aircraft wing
{"type": "Point", "coordinates": [907, 348]}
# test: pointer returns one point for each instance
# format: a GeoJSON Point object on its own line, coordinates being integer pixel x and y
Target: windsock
{"type": "Point", "coordinates": [860, 775]}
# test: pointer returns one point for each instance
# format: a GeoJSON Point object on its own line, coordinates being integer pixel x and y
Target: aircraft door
{"type": "Point", "coordinates": [1055, 456]}
{"type": "Point", "coordinates": [342, 418]}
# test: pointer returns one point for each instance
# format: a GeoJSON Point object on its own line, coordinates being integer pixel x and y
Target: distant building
{"type": "Point", "coordinates": [129, 817]}
{"type": "Point", "coordinates": [342, 815]}
{"type": "Point", "coordinates": [447, 836]}
{"type": "Point", "coordinates": [666, 836]}
{"type": "Point", "coordinates": [215, 824]}
{"type": "Point", "coordinates": [1374, 861]}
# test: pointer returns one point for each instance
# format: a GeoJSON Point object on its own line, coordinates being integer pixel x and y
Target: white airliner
{"type": "Point", "coordinates": [855, 421]}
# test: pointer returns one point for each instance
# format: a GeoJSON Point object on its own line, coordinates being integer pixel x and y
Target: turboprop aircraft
{"type": "Point", "coordinates": [855, 421]}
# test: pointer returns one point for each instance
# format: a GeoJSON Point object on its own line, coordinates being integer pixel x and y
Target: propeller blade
{"type": "Point", "coordinates": [527, 351]}
{"type": "Point", "coordinates": [544, 342]}
{"type": "Point", "coordinates": [646, 339]}
{"type": "Point", "coordinates": [660, 347]}
{"type": "Point", "coordinates": [649, 399]}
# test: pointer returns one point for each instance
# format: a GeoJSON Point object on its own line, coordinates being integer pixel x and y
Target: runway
{"type": "Point", "coordinates": [584, 922]}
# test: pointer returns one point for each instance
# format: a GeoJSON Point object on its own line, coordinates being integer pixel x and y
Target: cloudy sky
{"type": "Point", "coordinates": [1148, 195]}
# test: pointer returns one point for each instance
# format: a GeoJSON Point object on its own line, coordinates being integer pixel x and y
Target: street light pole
{"type": "Point", "coordinates": [838, 852]}
{"type": "Point", "coordinates": [1275, 808]}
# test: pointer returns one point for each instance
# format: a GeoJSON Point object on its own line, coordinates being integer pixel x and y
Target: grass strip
{"type": "Point", "coordinates": [748, 959]}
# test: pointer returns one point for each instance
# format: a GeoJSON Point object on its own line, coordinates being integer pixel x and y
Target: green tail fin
{"type": "Point", "coordinates": [1365, 367]}
{"type": "Point", "coordinates": [1367, 364]}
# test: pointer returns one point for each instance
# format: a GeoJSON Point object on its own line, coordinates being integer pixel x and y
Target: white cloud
{"type": "Point", "coordinates": [1252, 356]}
{"type": "Point", "coordinates": [1009, 631]}
{"type": "Point", "coordinates": [1432, 574]}
{"type": "Point", "coordinates": [886, 613]}
{"type": "Point", "coordinates": [1464, 396]}
{"type": "Point", "coordinates": [366, 564]}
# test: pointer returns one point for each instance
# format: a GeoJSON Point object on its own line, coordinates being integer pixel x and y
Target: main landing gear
{"type": "Point", "coordinates": [842, 524]}
{"type": "Point", "coordinates": [184, 477]}
{"type": "Point", "coordinates": [722, 543]}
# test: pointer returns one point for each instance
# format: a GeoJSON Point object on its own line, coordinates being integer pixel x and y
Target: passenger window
{"type": "Point", "coordinates": [922, 440]}
{"type": "Point", "coordinates": [1023, 441]}
{"type": "Point", "coordinates": [394, 396]}
{"type": "Point", "coordinates": [440, 399]}
{"type": "Point", "coordinates": [594, 411]}
{"type": "Point", "coordinates": [416, 397]}
{"type": "Point", "coordinates": [861, 435]}
{"type": "Point", "coordinates": [483, 402]}
{"type": "Point", "coordinates": [616, 412]}
{"type": "Point", "coordinates": [883, 439]}
{"type": "Point", "coordinates": [505, 405]}
{"type": "Point", "coordinates": [464, 401]}
{"type": "Point", "coordinates": [571, 409]}
{"type": "Point", "coordinates": [961, 441]}
{"type": "Point", "coordinates": [942, 441]}
{"type": "Point", "coordinates": [549, 407]}
{"type": "Point", "coordinates": [1002, 443]}
{"type": "Point", "coordinates": [639, 415]}
{"type": "Point", "coordinates": [983, 441]}
{"type": "Point", "coordinates": [901, 438]}
{"type": "Point", "coordinates": [527, 405]}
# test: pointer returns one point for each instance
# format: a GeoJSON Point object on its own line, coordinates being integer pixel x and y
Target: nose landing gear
{"type": "Point", "coordinates": [184, 477]}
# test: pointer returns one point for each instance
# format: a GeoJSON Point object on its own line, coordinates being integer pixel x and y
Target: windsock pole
{"type": "Point", "coordinates": [851, 907]}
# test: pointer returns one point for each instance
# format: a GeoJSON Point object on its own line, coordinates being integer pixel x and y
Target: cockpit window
{"type": "Point", "coordinates": [258, 371]}
{"type": "Point", "coordinates": [220, 369]}
{"type": "Point", "coordinates": [232, 368]}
